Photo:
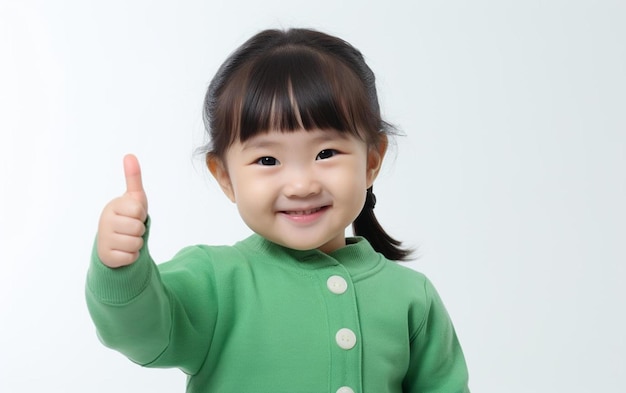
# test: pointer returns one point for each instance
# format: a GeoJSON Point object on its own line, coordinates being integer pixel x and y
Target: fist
{"type": "Point", "coordinates": [122, 223]}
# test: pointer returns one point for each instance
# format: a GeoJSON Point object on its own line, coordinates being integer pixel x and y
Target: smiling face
{"type": "Point", "coordinates": [299, 189]}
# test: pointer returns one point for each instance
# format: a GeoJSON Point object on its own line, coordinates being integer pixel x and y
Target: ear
{"type": "Point", "coordinates": [375, 155]}
{"type": "Point", "coordinates": [220, 173]}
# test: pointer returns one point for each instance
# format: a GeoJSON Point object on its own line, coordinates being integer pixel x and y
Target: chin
{"type": "Point", "coordinates": [298, 246]}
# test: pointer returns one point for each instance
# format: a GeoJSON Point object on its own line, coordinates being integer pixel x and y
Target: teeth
{"type": "Point", "coordinates": [304, 212]}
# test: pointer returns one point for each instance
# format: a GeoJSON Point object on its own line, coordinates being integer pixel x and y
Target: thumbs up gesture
{"type": "Point", "coordinates": [122, 223]}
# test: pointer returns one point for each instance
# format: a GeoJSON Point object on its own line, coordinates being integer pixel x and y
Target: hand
{"type": "Point", "coordinates": [122, 223]}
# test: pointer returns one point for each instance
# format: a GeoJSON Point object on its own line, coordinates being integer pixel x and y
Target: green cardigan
{"type": "Point", "coordinates": [258, 317]}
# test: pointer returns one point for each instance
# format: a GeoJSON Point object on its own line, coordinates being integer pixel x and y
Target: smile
{"type": "Point", "coordinates": [306, 216]}
{"type": "Point", "coordinates": [303, 212]}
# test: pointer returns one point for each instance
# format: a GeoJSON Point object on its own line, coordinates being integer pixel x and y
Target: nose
{"type": "Point", "coordinates": [301, 183]}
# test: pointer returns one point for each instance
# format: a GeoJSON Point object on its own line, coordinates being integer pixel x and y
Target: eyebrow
{"type": "Point", "coordinates": [258, 143]}
{"type": "Point", "coordinates": [261, 141]}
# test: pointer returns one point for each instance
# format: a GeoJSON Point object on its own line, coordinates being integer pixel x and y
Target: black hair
{"type": "Point", "coordinates": [299, 79]}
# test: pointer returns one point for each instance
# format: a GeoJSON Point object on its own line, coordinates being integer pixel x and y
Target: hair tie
{"type": "Point", "coordinates": [370, 198]}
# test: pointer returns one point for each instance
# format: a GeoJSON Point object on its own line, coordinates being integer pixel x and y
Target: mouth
{"type": "Point", "coordinates": [304, 212]}
{"type": "Point", "coordinates": [305, 216]}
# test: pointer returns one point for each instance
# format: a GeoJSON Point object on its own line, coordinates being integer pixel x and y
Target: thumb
{"type": "Point", "coordinates": [134, 185]}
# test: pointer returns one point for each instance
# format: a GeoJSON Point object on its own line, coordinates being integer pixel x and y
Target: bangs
{"type": "Point", "coordinates": [296, 88]}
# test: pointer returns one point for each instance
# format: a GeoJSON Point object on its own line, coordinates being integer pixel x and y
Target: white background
{"type": "Point", "coordinates": [511, 178]}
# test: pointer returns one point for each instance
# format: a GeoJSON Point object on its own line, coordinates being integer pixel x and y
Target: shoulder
{"type": "Point", "coordinates": [413, 286]}
{"type": "Point", "coordinates": [405, 276]}
{"type": "Point", "coordinates": [213, 258]}
{"type": "Point", "coordinates": [201, 257]}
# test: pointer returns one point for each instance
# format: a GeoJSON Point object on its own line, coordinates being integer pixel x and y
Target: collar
{"type": "Point", "coordinates": [357, 256]}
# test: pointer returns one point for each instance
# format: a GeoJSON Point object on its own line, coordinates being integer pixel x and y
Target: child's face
{"type": "Point", "coordinates": [299, 189]}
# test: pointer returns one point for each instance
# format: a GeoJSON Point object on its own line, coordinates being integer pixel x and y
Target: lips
{"type": "Point", "coordinates": [305, 214]}
{"type": "Point", "coordinates": [302, 212]}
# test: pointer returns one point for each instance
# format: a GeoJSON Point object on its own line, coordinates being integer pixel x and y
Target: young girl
{"type": "Point", "coordinates": [296, 142]}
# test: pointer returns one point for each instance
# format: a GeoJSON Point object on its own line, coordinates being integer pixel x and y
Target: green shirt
{"type": "Point", "coordinates": [258, 317]}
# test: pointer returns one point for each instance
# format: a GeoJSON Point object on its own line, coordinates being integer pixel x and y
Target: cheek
{"type": "Point", "coordinates": [250, 188]}
{"type": "Point", "coordinates": [352, 181]}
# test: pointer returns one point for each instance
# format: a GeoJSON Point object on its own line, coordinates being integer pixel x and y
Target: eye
{"type": "Point", "coordinates": [326, 153]}
{"type": "Point", "coordinates": [267, 161]}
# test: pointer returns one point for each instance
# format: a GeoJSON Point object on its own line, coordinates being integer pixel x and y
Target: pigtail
{"type": "Point", "coordinates": [367, 225]}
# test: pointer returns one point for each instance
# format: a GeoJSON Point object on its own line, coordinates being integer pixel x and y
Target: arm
{"type": "Point", "coordinates": [129, 307]}
{"type": "Point", "coordinates": [153, 319]}
{"type": "Point", "coordinates": [437, 363]}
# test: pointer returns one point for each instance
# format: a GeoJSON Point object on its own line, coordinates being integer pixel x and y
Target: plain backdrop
{"type": "Point", "coordinates": [510, 181]}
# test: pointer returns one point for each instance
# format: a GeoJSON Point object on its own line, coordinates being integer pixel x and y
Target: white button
{"type": "Point", "coordinates": [345, 389]}
{"type": "Point", "coordinates": [337, 284]}
{"type": "Point", "coordinates": [346, 339]}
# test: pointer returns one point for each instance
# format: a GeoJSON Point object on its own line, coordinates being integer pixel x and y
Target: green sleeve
{"type": "Point", "coordinates": [437, 363]}
{"type": "Point", "coordinates": [152, 317]}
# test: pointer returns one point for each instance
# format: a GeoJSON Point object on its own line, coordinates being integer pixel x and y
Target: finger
{"type": "Point", "coordinates": [134, 184]}
{"type": "Point", "coordinates": [116, 250]}
{"type": "Point", "coordinates": [125, 225]}
{"type": "Point", "coordinates": [124, 243]}
{"type": "Point", "coordinates": [116, 258]}
{"type": "Point", "coordinates": [128, 206]}
{"type": "Point", "coordinates": [132, 173]}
